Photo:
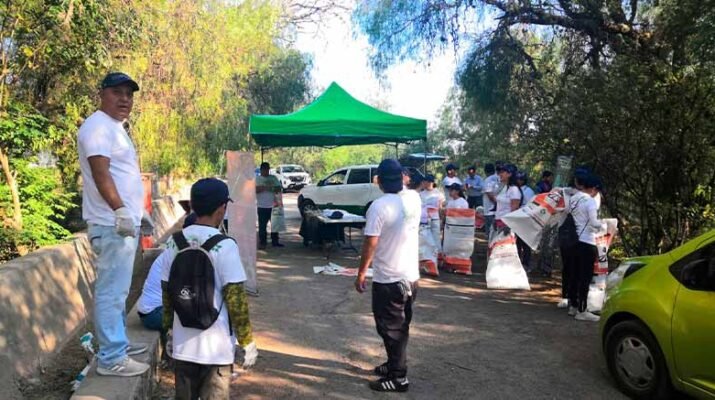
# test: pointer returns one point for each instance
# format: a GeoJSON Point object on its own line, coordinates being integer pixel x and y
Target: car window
{"type": "Point", "coordinates": [337, 178]}
{"type": "Point", "coordinates": [292, 168]}
{"type": "Point", "coordinates": [696, 271]}
{"type": "Point", "coordinates": [359, 175]}
{"type": "Point", "coordinates": [373, 174]}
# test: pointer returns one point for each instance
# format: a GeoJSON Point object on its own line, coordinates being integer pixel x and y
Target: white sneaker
{"type": "Point", "coordinates": [587, 316]}
{"type": "Point", "coordinates": [126, 367]}
{"type": "Point", "coordinates": [563, 303]}
{"type": "Point", "coordinates": [573, 311]}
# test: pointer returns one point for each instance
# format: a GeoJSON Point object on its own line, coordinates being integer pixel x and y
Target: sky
{"type": "Point", "coordinates": [411, 89]}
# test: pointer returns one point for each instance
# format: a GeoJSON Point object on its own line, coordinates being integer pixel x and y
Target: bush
{"type": "Point", "coordinates": [44, 204]}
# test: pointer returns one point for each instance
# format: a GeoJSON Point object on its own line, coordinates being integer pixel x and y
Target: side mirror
{"type": "Point", "coordinates": [321, 182]}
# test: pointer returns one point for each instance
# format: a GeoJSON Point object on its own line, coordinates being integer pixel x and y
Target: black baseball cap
{"type": "Point", "coordinates": [390, 173]}
{"type": "Point", "coordinates": [118, 78]}
{"type": "Point", "coordinates": [207, 195]}
{"type": "Point", "coordinates": [429, 178]}
{"type": "Point", "coordinates": [455, 186]}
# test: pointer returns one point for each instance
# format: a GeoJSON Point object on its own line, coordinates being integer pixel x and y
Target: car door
{"type": "Point", "coordinates": [330, 192]}
{"type": "Point", "coordinates": [357, 193]}
{"type": "Point", "coordinates": [693, 324]}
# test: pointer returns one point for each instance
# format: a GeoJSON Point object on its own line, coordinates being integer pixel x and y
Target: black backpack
{"type": "Point", "coordinates": [192, 284]}
{"type": "Point", "coordinates": [568, 237]}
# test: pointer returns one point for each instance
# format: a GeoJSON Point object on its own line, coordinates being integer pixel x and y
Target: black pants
{"type": "Point", "coordinates": [209, 382]}
{"type": "Point", "coordinates": [393, 313]}
{"type": "Point", "coordinates": [264, 216]}
{"type": "Point", "coordinates": [585, 255]}
{"type": "Point", "coordinates": [524, 253]}
{"type": "Point", "coordinates": [567, 268]}
{"type": "Point", "coordinates": [474, 201]}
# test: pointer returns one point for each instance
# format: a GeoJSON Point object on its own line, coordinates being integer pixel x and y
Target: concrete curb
{"type": "Point", "coordinates": [96, 387]}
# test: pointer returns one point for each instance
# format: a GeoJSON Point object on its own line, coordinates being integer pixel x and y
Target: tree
{"type": "Point", "coordinates": [626, 87]}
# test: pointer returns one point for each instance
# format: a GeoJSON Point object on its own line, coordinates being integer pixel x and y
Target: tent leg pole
{"type": "Point", "coordinates": [397, 151]}
{"type": "Point", "coordinates": [262, 150]}
{"type": "Point", "coordinates": [424, 162]}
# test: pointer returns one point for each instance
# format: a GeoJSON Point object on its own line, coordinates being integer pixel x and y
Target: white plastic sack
{"type": "Point", "coordinates": [458, 243]}
{"type": "Point", "coordinates": [596, 297]}
{"type": "Point", "coordinates": [428, 250]}
{"type": "Point", "coordinates": [543, 210]}
{"type": "Point", "coordinates": [504, 270]}
{"type": "Point", "coordinates": [278, 222]}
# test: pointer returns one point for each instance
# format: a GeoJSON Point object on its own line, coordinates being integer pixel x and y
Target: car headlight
{"type": "Point", "coordinates": [624, 270]}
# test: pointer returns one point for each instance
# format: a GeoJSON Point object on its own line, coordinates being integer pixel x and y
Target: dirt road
{"type": "Point", "coordinates": [317, 338]}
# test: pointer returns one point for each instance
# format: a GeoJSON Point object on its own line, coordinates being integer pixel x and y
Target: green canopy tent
{"type": "Point", "coordinates": [335, 119]}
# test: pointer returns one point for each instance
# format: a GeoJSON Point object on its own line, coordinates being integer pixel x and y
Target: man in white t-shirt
{"type": "Point", "coordinates": [392, 247]}
{"type": "Point", "coordinates": [203, 358]}
{"type": "Point", "coordinates": [267, 186]}
{"type": "Point", "coordinates": [489, 200]}
{"type": "Point", "coordinates": [112, 199]}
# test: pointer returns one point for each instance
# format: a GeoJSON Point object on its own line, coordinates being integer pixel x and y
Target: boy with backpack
{"type": "Point", "coordinates": [205, 304]}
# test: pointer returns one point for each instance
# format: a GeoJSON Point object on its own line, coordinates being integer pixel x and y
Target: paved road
{"type": "Point", "coordinates": [317, 337]}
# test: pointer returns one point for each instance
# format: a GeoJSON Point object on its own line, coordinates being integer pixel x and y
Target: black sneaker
{"type": "Point", "coordinates": [276, 244]}
{"type": "Point", "coordinates": [381, 370]}
{"type": "Point", "coordinates": [390, 385]}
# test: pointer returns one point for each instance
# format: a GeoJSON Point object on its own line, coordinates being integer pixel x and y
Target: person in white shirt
{"type": "Point", "coordinates": [509, 196]}
{"type": "Point", "coordinates": [112, 205]}
{"type": "Point", "coordinates": [433, 201]}
{"type": "Point", "coordinates": [585, 252]}
{"type": "Point", "coordinates": [456, 197]}
{"type": "Point", "coordinates": [450, 179]}
{"type": "Point", "coordinates": [203, 357]}
{"type": "Point", "coordinates": [267, 187]}
{"type": "Point", "coordinates": [391, 247]}
{"type": "Point", "coordinates": [489, 197]}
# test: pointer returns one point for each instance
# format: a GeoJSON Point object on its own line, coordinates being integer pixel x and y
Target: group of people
{"type": "Point", "coordinates": [194, 292]}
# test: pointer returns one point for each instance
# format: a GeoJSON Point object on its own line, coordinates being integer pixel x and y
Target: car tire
{"type": "Point", "coordinates": [636, 361]}
{"type": "Point", "coordinates": [306, 204]}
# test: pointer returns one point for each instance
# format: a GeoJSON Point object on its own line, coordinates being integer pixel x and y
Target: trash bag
{"type": "Point", "coordinates": [458, 243]}
{"type": "Point", "coordinates": [504, 269]}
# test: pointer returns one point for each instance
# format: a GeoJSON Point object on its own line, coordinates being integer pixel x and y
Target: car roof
{"type": "Point", "coordinates": [357, 166]}
{"type": "Point", "coordinates": [289, 165]}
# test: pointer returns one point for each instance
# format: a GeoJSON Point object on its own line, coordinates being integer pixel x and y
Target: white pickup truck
{"type": "Point", "coordinates": [291, 176]}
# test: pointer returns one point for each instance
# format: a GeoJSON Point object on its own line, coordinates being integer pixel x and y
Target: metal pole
{"type": "Point", "coordinates": [424, 164]}
{"type": "Point", "coordinates": [262, 150]}
{"type": "Point", "coordinates": [397, 151]}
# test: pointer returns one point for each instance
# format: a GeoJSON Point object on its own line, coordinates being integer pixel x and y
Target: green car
{"type": "Point", "coordinates": [658, 322]}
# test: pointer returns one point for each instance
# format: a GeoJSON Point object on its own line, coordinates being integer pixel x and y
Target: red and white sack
{"type": "Point", "coordinates": [504, 270]}
{"type": "Point", "coordinates": [428, 252]}
{"type": "Point", "coordinates": [435, 227]}
{"type": "Point", "coordinates": [543, 210]}
{"type": "Point", "coordinates": [458, 244]}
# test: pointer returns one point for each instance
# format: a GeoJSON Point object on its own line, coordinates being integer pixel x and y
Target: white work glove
{"type": "Point", "coordinates": [147, 225]}
{"type": "Point", "coordinates": [250, 354]}
{"type": "Point", "coordinates": [124, 222]}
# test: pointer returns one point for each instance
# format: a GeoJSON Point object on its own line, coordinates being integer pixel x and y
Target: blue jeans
{"type": "Point", "coordinates": [115, 265]}
{"type": "Point", "coordinates": [154, 319]}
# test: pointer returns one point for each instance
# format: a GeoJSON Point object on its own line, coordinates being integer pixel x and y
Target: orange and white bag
{"type": "Point", "coordinates": [458, 244]}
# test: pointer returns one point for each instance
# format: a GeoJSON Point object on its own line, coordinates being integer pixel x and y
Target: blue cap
{"type": "Point", "coordinates": [450, 166]}
{"type": "Point", "coordinates": [429, 178]}
{"type": "Point", "coordinates": [207, 195]}
{"type": "Point", "coordinates": [118, 78]}
{"type": "Point", "coordinates": [455, 186]}
{"type": "Point", "coordinates": [390, 173]}
{"type": "Point", "coordinates": [510, 168]}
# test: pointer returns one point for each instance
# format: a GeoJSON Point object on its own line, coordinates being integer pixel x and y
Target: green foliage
{"type": "Point", "coordinates": [44, 204]}
{"type": "Point", "coordinates": [627, 88]}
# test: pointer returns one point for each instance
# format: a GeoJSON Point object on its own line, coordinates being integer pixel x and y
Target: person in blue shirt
{"type": "Point", "coordinates": [474, 186]}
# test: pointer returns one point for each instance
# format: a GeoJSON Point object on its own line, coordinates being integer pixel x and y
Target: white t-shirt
{"type": "Point", "coordinates": [432, 199]}
{"type": "Point", "coordinates": [447, 181]}
{"type": "Point", "coordinates": [213, 346]}
{"type": "Point", "coordinates": [102, 135]}
{"type": "Point", "coordinates": [151, 291]}
{"type": "Point", "coordinates": [267, 198]}
{"type": "Point", "coordinates": [491, 185]}
{"type": "Point", "coordinates": [457, 203]}
{"type": "Point", "coordinates": [504, 198]}
{"type": "Point", "coordinates": [585, 215]}
{"type": "Point", "coordinates": [395, 219]}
